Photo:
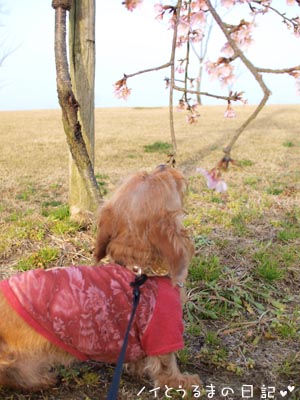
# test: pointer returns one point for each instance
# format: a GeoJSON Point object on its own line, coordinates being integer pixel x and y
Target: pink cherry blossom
{"type": "Point", "coordinates": [181, 40]}
{"type": "Point", "coordinates": [221, 70]}
{"type": "Point", "coordinates": [122, 93]}
{"type": "Point", "coordinates": [180, 68]}
{"type": "Point", "coordinates": [194, 109]}
{"type": "Point", "coordinates": [159, 9]}
{"type": "Point", "coordinates": [192, 118]}
{"type": "Point", "coordinates": [242, 35]}
{"type": "Point", "coordinates": [213, 179]}
{"type": "Point", "coordinates": [228, 3]}
{"type": "Point", "coordinates": [231, 3]}
{"type": "Point", "coordinates": [212, 70]}
{"type": "Point", "coordinates": [197, 18]}
{"type": "Point", "coordinates": [183, 27]}
{"type": "Point", "coordinates": [227, 50]}
{"type": "Point", "coordinates": [298, 87]}
{"type": "Point", "coordinates": [296, 75]}
{"type": "Point", "coordinates": [121, 90]}
{"type": "Point", "coordinates": [131, 4]}
{"type": "Point", "coordinates": [225, 70]}
{"type": "Point", "coordinates": [199, 5]}
{"type": "Point", "coordinates": [181, 105]}
{"type": "Point", "coordinates": [227, 79]}
{"type": "Point", "coordinates": [229, 112]}
{"type": "Point", "coordinates": [160, 13]}
{"type": "Point", "coordinates": [296, 25]}
{"type": "Point", "coordinates": [196, 35]}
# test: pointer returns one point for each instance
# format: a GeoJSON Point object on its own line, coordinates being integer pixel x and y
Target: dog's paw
{"type": "Point", "coordinates": [186, 381]}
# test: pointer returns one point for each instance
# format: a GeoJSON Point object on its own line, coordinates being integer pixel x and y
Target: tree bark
{"type": "Point", "coordinates": [82, 71]}
{"type": "Point", "coordinates": [79, 130]}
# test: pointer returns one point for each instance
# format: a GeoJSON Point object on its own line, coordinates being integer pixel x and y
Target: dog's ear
{"type": "Point", "coordinates": [104, 232]}
{"type": "Point", "coordinates": [174, 245]}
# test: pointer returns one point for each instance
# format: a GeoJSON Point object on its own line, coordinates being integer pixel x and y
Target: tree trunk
{"type": "Point", "coordinates": [82, 71]}
{"type": "Point", "coordinates": [80, 148]}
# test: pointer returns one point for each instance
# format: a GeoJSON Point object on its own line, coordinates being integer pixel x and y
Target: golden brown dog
{"type": "Point", "coordinates": [139, 227]}
{"type": "Point", "coordinates": [142, 225]}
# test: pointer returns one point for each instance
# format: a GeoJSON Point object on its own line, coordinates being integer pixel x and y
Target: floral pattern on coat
{"type": "Point", "coordinates": [85, 310]}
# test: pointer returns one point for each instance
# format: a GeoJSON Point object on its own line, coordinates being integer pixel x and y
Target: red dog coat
{"type": "Point", "coordinates": [85, 311]}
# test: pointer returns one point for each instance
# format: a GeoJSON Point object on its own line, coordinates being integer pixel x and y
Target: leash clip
{"type": "Point", "coordinates": [137, 270]}
{"type": "Point", "coordinates": [138, 281]}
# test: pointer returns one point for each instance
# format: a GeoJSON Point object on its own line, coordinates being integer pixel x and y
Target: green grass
{"type": "Point", "coordinates": [239, 224]}
{"type": "Point", "coordinates": [287, 330]}
{"type": "Point", "coordinates": [246, 163]}
{"type": "Point", "coordinates": [60, 212]}
{"type": "Point", "coordinates": [212, 339]}
{"type": "Point", "coordinates": [40, 259]}
{"type": "Point", "coordinates": [158, 147]}
{"type": "Point", "coordinates": [275, 189]}
{"type": "Point", "coordinates": [289, 234]}
{"type": "Point", "coordinates": [83, 376]}
{"type": "Point", "coordinates": [288, 143]}
{"type": "Point", "coordinates": [221, 292]}
{"type": "Point", "coordinates": [252, 181]}
{"type": "Point", "coordinates": [27, 193]}
{"type": "Point", "coordinates": [290, 367]}
{"type": "Point", "coordinates": [205, 269]}
{"type": "Point", "coordinates": [243, 283]}
{"type": "Point", "coordinates": [268, 267]}
{"type": "Point", "coordinates": [59, 218]}
{"type": "Point", "coordinates": [201, 241]}
{"type": "Point", "coordinates": [102, 183]}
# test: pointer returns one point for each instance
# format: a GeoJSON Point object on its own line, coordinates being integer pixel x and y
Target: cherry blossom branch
{"type": "Point", "coordinates": [187, 20]}
{"type": "Point", "coordinates": [253, 70]}
{"type": "Point", "coordinates": [172, 79]}
{"type": "Point", "coordinates": [145, 71]}
{"type": "Point", "coordinates": [292, 21]}
{"type": "Point", "coordinates": [278, 71]}
{"type": "Point", "coordinates": [232, 97]}
{"type": "Point", "coordinates": [121, 89]}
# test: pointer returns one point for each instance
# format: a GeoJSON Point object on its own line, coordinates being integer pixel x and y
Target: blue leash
{"type": "Point", "coordinates": [114, 387]}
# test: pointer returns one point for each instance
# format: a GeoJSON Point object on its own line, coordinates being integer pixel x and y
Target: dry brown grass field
{"type": "Point", "coordinates": [242, 315]}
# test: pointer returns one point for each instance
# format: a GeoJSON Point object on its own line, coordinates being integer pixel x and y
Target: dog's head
{"type": "Point", "coordinates": [142, 224]}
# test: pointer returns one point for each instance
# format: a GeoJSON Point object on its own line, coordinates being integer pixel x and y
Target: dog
{"type": "Point", "coordinates": [57, 316]}
{"type": "Point", "coordinates": [142, 225]}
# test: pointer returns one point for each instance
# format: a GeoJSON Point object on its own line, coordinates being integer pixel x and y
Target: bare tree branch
{"type": "Point", "coordinates": [222, 68]}
{"type": "Point", "coordinates": [145, 71]}
{"type": "Point", "coordinates": [172, 80]}
{"type": "Point", "coordinates": [278, 71]}
{"type": "Point", "coordinates": [290, 22]}
{"type": "Point", "coordinates": [253, 70]}
{"type": "Point", "coordinates": [215, 96]}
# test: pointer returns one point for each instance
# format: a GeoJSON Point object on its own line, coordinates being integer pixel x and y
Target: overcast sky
{"type": "Point", "coordinates": [125, 42]}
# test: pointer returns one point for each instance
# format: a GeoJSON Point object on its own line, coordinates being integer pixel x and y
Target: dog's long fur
{"type": "Point", "coordinates": [140, 225]}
